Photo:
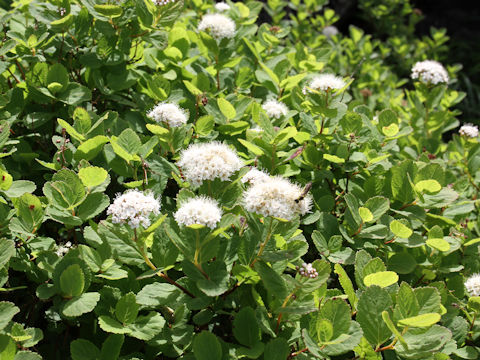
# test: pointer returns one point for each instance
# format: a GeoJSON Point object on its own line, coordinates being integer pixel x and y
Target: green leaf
{"type": "Point", "coordinates": [245, 327]}
{"type": "Point", "coordinates": [158, 130]}
{"type": "Point", "coordinates": [72, 281]}
{"type": "Point", "coordinates": [111, 347]}
{"type": "Point", "coordinates": [324, 330]}
{"type": "Point", "coordinates": [129, 141]}
{"type": "Point", "coordinates": [392, 327]}
{"type": "Point", "coordinates": [110, 325]}
{"type": "Point", "coordinates": [147, 327]}
{"type": "Point", "coordinates": [251, 353]}
{"type": "Point", "coordinates": [207, 347]}
{"type": "Point", "coordinates": [109, 10]}
{"type": "Point", "coordinates": [438, 244]}
{"type": "Point", "coordinates": [272, 281]}
{"type": "Point", "coordinates": [204, 125]}
{"type": "Point", "coordinates": [6, 180]}
{"type": "Point", "coordinates": [252, 147]}
{"type": "Point", "coordinates": [92, 176]}
{"type": "Point", "coordinates": [378, 205]}
{"type": "Point", "coordinates": [75, 94]}
{"type": "Point", "coordinates": [82, 349]}
{"type": "Point", "coordinates": [430, 186]}
{"type": "Point", "coordinates": [93, 205]}
{"type": "Point", "coordinates": [338, 315]}
{"type": "Point", "coordinates": [333, 158]}
{"type": "Point", "coordinates": [347, 285]}
{"type": "Point", "coordinates": [91, 148]}
{"type": "Point", "coordinates": [58, 74]}
{"type": "Point", "coordinates": [371, 304]}
{"type": "Point", "coordinates": [365, 214]}
{"type": "Point", "coordinates": [276, 349]}
{"type": "Point", "coordinates": [473, 304]}
{"type": "Point", "coordinates": [226, 108]}
{"type": "Point", "coordinates": [157, 294]}
{"type": "Point", "coordinates": [382, 279]}
{"type": "Point", "coordinates": [81, 120]}
{"type": "Point", "coordinates": [7, 312]}
{"type": "Point", "coordinates": [27, 355]}
{"type": "Point", "coordinates": [402, 263]}
{"type": "Point", "coordinates": [400, 230]}
{"type": "Point", "coordinates": [7, 250]}
{"type": "Point", "coordinates": [20, 187]}
{"type": "Point", "coordinates": [81, 305]}
{"type": "Point", "coordinates": [8, 347]}
{"type": "Point", "coordinates": [390, 130]}
{"type": "Point", "coordinates": [127, 308]}
{"type": "Point", "coordinates": [424, 320]}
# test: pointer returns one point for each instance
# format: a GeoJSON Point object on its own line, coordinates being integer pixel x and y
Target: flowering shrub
{"type": "Point", "coordinates": [182, 181]}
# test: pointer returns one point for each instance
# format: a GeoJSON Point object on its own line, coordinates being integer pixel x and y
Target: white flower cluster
{"type": "Point", "coordinates": [429, 71]}
{"type": "Point", "coordinates": [330, 31]}
{"type": "Point", "coordinates": [275, 109]}
{"type": "Point", "coordinates": [220, 26]}
{"type": "Point", "coordinates": [170, 114]}
{"type": "Point", "coordinates": [307, 270]}
{"type": "Point", "coordinates": [134, 208]}
{"type": "Point", "coordinates": [200, 210]}
{"type": "Point", "coordinates": [254, 176]}
{"type": "Point", "coordinates": [469, 130]}
{"type": "Point", "coordinates": [473, 285]}
{"type": "Point", "coordinates": [63, 249]}
{"type": "Point", "coordinates": [162, 2]}
{"type": "Point", "coordinates": [325, 82]}
{"type": "Point", "coordinates": [222, 6]}
{"type": "Point", "coordinates": [208, 161]}
{"type": "Point", "coordinates": [277, 197]}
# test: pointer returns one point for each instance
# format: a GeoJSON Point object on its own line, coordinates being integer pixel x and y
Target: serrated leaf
{"type": "Point", "coordinates": [127, 308]}
{"type": "Point", "coordinates": [110, 325]}
{"type": "Point", "coordinates": [81, 305]}
{"type": "Point", "coordinates": [400, 230]}
{"type": "Point", "coordinates": [92, 176]}
{"type": "Point", "coordinates": [365, 214]}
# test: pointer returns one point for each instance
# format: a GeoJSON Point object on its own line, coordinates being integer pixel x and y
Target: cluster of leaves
{"type": "Point", "coordinates": [393, 231]}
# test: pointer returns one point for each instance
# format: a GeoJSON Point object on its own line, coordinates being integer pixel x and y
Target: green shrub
{"type": "Point", "coordinates": [336, 224]}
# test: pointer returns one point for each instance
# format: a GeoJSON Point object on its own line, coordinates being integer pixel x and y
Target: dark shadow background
{"type": "Point", "coordinates": [461, 19]}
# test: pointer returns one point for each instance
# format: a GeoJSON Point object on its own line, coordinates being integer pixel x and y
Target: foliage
{"type": "Point", "coordinates": [391, 237]}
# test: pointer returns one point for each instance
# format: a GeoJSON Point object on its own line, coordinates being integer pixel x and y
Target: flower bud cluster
{"type": "Point", "coordinates": [307, 270]}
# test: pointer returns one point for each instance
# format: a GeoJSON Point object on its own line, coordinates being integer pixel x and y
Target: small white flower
{"type": "Point", "coordinates": [325, 82]}
{"type": "Point", "coordinates": [170, 114]}
{"type": "Point", "coordinates": [277, 197]}
{"type": "Point", "coordinates": [208, 161]}
{"type": "Point", "coordinates": [469, 130]}
{"type": "Point", "coordinates": [254, 175]}
{"type": "Point", "coordinates": [63, 249]}
{"type": "Point", "coordinates": [429, 71]}
{"type": "Point", "coordinates": [134, 208]}
{"type": "Point", "coordinates": [220, 26]}
{"type": "Point", "coordinates": [222, 6]}
{"type": "Point", "coordinates": [307, 270]}
{"type": "Point", "coordinates": [330, 31]}
{"type": "Point", "coordinates": [162, 2]}
{"type": "Point", "coordinates": [473, 285]}
{"type": "Point", "coordinates": [275, 109]}
{"type": "Point", "coordinates": [200, 210]}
